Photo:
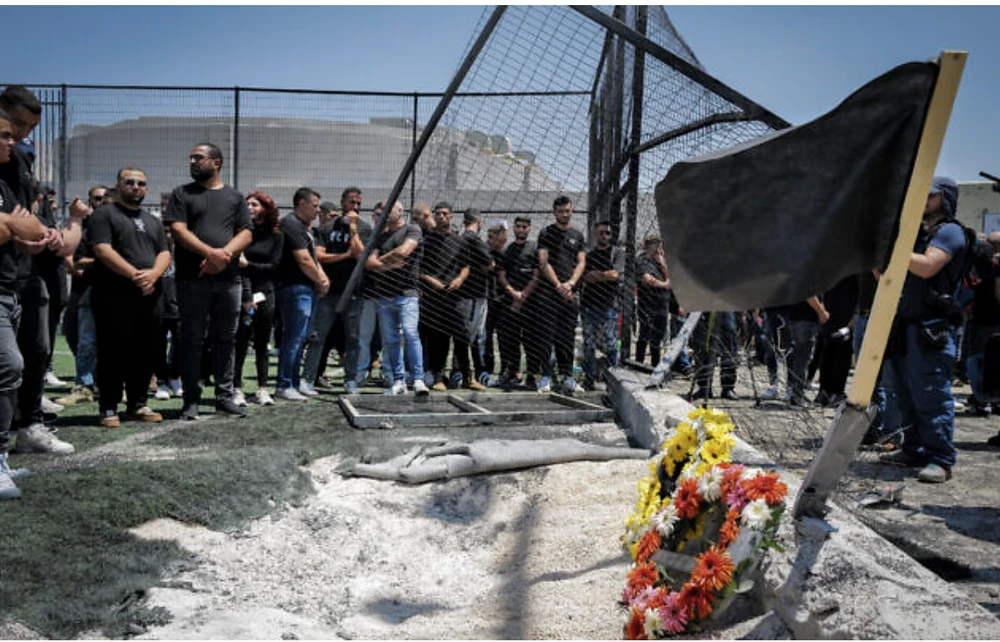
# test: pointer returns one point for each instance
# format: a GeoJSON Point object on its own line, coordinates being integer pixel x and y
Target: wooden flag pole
{"type": "Point", "coordinates": [851, 423]}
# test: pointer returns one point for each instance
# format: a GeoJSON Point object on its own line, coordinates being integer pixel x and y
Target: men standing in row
{"type": "Point", "coordinates": [211, 226]}
{"type": "Point", "coordinates": [599, 304]}
{"type": "Point", "coordinates": [300, 280]}
{"type": "Point", "coordinates": [561, 259]}
{"type": "Point", "coordinates": [395, 264]}
{"type": "Point", "coordinates": [132, 254]}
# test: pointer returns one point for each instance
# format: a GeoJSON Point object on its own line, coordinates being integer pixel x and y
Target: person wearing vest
{"type": "Point", "coordinates": [922, 350]}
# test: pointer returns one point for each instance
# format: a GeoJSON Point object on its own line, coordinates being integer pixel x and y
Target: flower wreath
{"type": "Point", "coordinates": [699, 527]}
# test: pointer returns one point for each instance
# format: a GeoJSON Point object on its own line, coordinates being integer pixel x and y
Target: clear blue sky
{"type": "Point", "coordinates": [797, 61]}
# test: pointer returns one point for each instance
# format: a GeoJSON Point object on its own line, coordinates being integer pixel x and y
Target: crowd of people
{"type": "Point", "coordinates": [160, 303]}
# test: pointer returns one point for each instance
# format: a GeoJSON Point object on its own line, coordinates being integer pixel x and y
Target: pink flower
{"type": "Point", "coordinates": [673, 616]}
{"type": "Point", "coordinates": [641, 601]}
{"type": "Point", "coordinates": [737, 498]}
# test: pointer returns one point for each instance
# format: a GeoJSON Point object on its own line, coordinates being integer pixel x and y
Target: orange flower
{"type": "Point", "coordinates": [659, 599]}
{"type": "Point", "coordinates": [696, 600]}
{"type": "Point", "coordinates": [729, 479]}
{"type": "Point", "coordinates": [766, 486]}
{"type": "Point", "coordinates": [687, 501]}
{"type": "Point", "coordinates": [641, 576]}
{"type": "Point", "coordinates": [648, 545]}
{"type": "Point", "coordinates": [635, 629]}
{"type": "Point", "coordinates": [713, 570]}
{"type": "Point", "coordinates": [730, 529]}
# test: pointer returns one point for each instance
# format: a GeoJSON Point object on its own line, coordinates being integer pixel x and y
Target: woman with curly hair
{"type": "Point", "coordinates": [258, 266]}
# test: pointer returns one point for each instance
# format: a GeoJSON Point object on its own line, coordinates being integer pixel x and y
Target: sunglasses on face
{"type": "Point", "coordinates": [131, 182]}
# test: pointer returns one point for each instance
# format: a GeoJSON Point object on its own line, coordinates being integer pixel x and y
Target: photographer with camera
{"type": "Point", "coordinates": [922, 350]}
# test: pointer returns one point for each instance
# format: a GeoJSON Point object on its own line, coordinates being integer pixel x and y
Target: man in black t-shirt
{"type": "Point", "coordinates": [599, 302]}
{"type": "Point", "coordinates": [211, 226]}
{"type": "Point", "coordinates": [15, 223]}
{"type": "Point", "coordinates": [517, 278]}
{"type": "Point", "coordinates": [132, 254]}
{"type": "Point", "coordinates": [472, 301]}
{"type": "Point", "coordinates": [496, 239]}
{"type": "Point", "coordinates": [300, 281]}
{"type": "Point", "coordinates": [561, 260]}
{"type": "Point", "coordinates": [395, 264]}
{"type": "Point", "coordinates": [337, 249]}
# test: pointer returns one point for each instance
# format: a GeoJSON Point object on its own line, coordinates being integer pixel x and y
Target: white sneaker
{"type": "Point", "coordinates": [162, 393]}
{"type": "Point", "coordinates": [307, 389]}
{"type": "Point", "coordinates": [545, 385]}
{"type": "Point", "coordinates": [569, 385]}
{"type": "Point", "coordinates": [175, 387]}
{"type": "Point", "coordinates": [239, 398]}
{"type": "Point", "coordinates": [36, 438]}
{"type": "Point", "coordinates": [770, 394]}
{"type": "Point", "coordinates": [420, 388]}
{"type": "Point", "coordinates": [50, 406]}
{"type": "Point", "coordinates": [52, 381]}
{"type": "Point", "coordinates": [398, 388]}
{"type": "Point", "coordinates": [290, 394]}
{"type": "Point", "coordinates": [351, 388]}
{"type": "Point", "coordinates": [264, 398]}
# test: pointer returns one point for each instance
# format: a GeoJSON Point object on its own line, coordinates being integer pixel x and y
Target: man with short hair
{"type": "Point", "coordinates": [211, 226]}
{"type": "Point", "coordinates": [300, 280]}
{"type": "Point", "coordinates": [922, 347]}
{"type": "Point", "coordinates": [472, 301]}
{"type": "Point", "coordinates": [653, 298]}
{"type": "Point", "coordinates": [395, 263]}
{"type": "Point", "coordinates": [599, 302]}
{"type": "Point", "coordinates": [15, 222]}
{"type": "Point", "coordinates": [132, 254]}
{"type": "Point", "coordinates": [561, 260]}
{"type": "Point", "coordinates": [496, 240]}
{"type": "Point", "coordinates": [37, 269]}
{"type": "Point", "coordinates": [517, 277]}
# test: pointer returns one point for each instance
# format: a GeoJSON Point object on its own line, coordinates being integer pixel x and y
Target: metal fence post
{"type": "Point", "coordinates": [236, 138]}
{"type": "Point", "coordinates": [413, 145]}
{"type": "Point", "coordinates": [63, 150]}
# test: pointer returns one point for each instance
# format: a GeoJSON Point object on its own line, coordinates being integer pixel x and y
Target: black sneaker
{"type": "Point", "coordinates": [730, 395]}
{"type": "Point", "coordinates": [229, 407]}
{"type": "Point", "coordinates": [900, 458]}
{"type": "Point", "coordinates": [190, 412]}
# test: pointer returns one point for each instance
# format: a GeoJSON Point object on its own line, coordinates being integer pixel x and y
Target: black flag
{"type": "Point", "coordinates": [782, 218]}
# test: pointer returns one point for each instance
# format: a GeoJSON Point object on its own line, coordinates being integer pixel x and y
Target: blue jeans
{"type": "Point", "coordinates": [599, 324]}
{"type": "Point", "coordinates": [361, 316]}
{"type": "Point", "coordinates": [921, 383]}
{"type": "Point", "coordinates": [295, 303]}
{"type": "Point", "coordinates": [323, 316]}
{"type": "Point", "coordinates": [86, 346]}
{"type": "Point", "coordinates": [401, 315]}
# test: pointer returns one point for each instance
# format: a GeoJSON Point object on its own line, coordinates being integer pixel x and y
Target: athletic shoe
{"type": "Point", "coordinates": [569, 385]}
{"type": "Point", "coordinates": [398, 388]}
{"type": "Point", "coordinates": [899, 458]}
{"type": "Point", "coordinates": [456, 381]}
{"type": "Point", "coordinates": [52, 381]}
{"type": "Point", "coordinates": [770, 394]}
{"type": "Point", "coordinates": [307, 389]}
{"type": "Point", "coordinates": [324, 383]}
{"type": "Point", "coordinates": [8, 490]}
{"type": "Point", "coordinates": [175, 387]}
{"type": "Point", "coordinates": [289, 394]}
{"type": "Point", "coordinates": [420, 388]}
{"type": "Point", "coordinates": [50, 406]}
{"type": "Point", "coordinates": [484, 378]}
{"type": "Point", "coordinates": [934, 474]}
{"type": "Point", "coordinates": [263, 397]}
{"type": "Point", "coordinates": [351, 388]}
{"type": "Point", "coordinates": [545, 385]}
{"type": "Point", "coordinates": [239, 398]}
{"type": "Point", "coordinates": [190, 412]}
{"type": "Point", "coordinates": [36, 438]}
{"type": "Point", "coordinates": [144, 414]}
{"type": "Point", "coordinates": [229, 407]}
{"type": "Point", "coordinates": [79, 394]}
{"type": "Point", "coordinates": [162, 393]}
{"type": "Point", "coordinates": [729, 394]}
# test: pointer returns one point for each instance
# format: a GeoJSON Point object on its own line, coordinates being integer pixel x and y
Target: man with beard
{"type": "Point", "coordinates": [132, 254]}
{"type": "Point", "coordinates": [517, 278]}
{"type": "Point", "coordinates": [599, 303]}
{"type": "Point", "coordinates": [211, 226]}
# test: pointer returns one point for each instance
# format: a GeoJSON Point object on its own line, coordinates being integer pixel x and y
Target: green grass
{"type": "Point", "coordinates": [69, 564]}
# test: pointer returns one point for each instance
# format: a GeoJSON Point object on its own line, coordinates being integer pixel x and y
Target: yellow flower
{"type": "Point", "coordinates": [717, 431]}
{"type": "Point", "coordinates": [715, 451]}
{"type": "Point", "coordinates": [687, 436]}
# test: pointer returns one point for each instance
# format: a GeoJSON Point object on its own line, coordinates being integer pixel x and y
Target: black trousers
{"type": "Point", "coordinates": [33, 342]}
{"type": "Point", "coordinates": [260, 330]}
{"type": "Point", "coordinates": [515, 332]}
{"type": "Point", "coordinates": [55, 281]}
{"type": "Point", "coordinates": [439, 322]}
{"type": "Point", "coordinates": [494, 319]}
{"type": "Point", "coordinates": [126, 323]}
{"type": "Point", "coordinates": [652, 331]}
{"type": "Point", "coordinates": [555, 320]}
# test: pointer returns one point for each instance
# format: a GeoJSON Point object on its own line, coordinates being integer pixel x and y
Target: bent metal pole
{"type": "Point", "coordinates": [411, 162]}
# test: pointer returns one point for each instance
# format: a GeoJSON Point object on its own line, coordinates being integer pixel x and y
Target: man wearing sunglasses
{"type": "Point", "coordinates": [132, 254]}
{"type": "Point", "coordinates": [211, 226]}
{"type": "Point", "coordinates": [599, 302]}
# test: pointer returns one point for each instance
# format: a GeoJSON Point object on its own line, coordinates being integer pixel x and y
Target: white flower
{"type": "Point", "coordinates": [750, 473]}
{"type": "Point", "coordinates": [689, 471]}
{"type": "Point", "coordinates": [710, 484]}
{"type": "Point", "coordinates": [756, 514]}
{"type": "Point", "coordinates": [665, 520]}
{"type": "Point", "coordinates": [653, 624]}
